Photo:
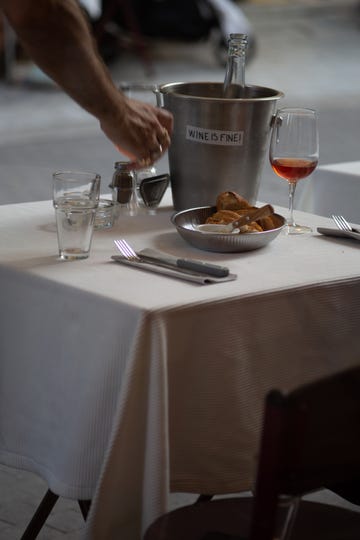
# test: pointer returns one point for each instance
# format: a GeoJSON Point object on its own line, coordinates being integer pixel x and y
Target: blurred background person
{"type": "Point", "coordinates": [193, 20]}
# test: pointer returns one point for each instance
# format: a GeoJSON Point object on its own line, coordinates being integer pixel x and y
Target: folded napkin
{"type": "Point", "coordinates": [338, 233]}
{"type": "Point", "coordinates": [175, 272]}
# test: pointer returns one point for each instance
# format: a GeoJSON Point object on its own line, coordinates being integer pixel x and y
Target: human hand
{"type": "Point", "coordinates": [139, 130]}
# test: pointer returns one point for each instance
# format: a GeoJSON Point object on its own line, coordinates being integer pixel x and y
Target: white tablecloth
{"type": "Point", "coordinates": [122, 385]}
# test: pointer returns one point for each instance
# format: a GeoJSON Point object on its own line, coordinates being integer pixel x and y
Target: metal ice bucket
{"type": "Point", "coordinates": [218, 143]}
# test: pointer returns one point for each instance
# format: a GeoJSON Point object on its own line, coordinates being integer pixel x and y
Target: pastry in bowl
{"type": "Point", "coordinates": [262, 231]}
{"type": "Point", "coordinates": [230, 206]}
{"type": "Point", "coordinates": [229, 200]}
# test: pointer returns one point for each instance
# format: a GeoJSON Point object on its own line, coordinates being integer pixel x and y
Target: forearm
{"type": "Point", "coordinates": [56, 35]}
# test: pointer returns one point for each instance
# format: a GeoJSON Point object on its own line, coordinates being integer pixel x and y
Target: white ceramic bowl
{"type": "Point", "coordinates": [186, 222]}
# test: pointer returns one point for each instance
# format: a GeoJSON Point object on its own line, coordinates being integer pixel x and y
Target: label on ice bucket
{"type": "Point", "coordinates": [214, 136]}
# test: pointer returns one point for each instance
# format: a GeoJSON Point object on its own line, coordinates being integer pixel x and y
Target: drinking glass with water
{"type": "Point", "coordinates": [75, 199]}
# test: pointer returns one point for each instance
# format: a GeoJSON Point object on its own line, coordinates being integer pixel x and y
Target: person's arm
{"type": "Point", "coordinates": [57, 37]}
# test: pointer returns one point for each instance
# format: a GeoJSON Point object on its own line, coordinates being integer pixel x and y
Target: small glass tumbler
{"type": "Point", "coordinates": [75, 199]}
{"type": "Point", "coordinates": [105, 214]}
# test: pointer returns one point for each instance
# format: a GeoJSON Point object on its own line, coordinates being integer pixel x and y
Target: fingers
{"type": "Point", "coordinates": [157, 147]}
{"type": "Point", "coordinates": [164, 138]}
{"type": "Point", "coordinates": [153, 151]}
{"type": "Point", "coordinates": [148, 130]}
{"type": "Point", "coordinates": [154, 154]}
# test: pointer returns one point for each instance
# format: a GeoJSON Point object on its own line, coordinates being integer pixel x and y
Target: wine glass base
{"type": "Point", "coordinates": [297, 229]}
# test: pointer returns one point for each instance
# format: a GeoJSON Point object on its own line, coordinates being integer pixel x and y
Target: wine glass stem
{"type": "Point", "coordinates": [292, 187]}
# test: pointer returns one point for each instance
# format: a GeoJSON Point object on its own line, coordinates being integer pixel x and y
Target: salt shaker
{"type": "Point", "coordinates": [123, 187]}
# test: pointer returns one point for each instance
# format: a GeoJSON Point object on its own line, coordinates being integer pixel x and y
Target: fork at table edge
{"type": "Point", "coordinates": [338, 233]}
{"type": "Point", "coordinates": [193, 266]}
{"type": "Point", "coordinates": [343, 224]}
{"type": "Point", "coordinates": [145, 259]}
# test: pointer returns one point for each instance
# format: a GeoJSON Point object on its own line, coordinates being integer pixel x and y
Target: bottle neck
{"type": "Point", "coordinates": [234, 82]}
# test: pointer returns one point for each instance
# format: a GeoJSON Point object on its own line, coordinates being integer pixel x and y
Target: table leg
{"type": "Point", "coordinates": [43, 511]}
{"type": "Point", "coordinates": [40, 516]}
{"type": "Point", "coordinates": [84, 507]}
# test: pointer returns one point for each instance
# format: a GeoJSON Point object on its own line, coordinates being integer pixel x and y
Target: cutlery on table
{"type": "Point", "coordinates": [343, 224]}
{"type": "Point", "coordinates": [184, 264]}
{"type": "Point", "coordinates": [343, 230]}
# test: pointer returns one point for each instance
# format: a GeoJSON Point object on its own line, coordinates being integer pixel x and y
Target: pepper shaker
{"type": "Point", "coordinates": [123, 188]}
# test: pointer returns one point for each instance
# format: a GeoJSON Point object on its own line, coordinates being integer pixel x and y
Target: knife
{"type": "Point", "coordinates": [174, 271]}
{"type": "Point", "coordinates": [187, 264]}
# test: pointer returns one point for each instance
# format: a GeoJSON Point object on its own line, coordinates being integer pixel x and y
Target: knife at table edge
{"type": "Point", "coordinates": [186, 266]}
{"type": "Point", "coordinates": [200, 267]}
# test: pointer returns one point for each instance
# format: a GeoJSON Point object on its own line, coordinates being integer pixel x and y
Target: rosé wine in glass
{"type": "Point", "coordinates": [294, 152]}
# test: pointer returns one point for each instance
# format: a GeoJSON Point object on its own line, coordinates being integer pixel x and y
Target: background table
{"type": "Point", "coordinates": [121, 385]}
{"type": "Point", "coordinates": [333, 189]}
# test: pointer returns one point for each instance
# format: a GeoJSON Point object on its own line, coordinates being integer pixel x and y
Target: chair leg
{"type": "Point", "coordinates": [40, 516]}
{"type": "Point", "coordinates": [84, 507]}
{"type": "Point", "coordinates": [292, 510]}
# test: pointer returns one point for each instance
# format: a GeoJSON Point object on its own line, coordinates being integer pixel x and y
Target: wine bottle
{"type": "Point", "coordinates": [234, 82]}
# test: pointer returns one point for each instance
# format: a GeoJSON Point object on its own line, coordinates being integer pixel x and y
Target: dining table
{"type": "Point", "coordinates": [123, 386]}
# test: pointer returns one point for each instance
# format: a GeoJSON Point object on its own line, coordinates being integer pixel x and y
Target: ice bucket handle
{"type": "Point", "coordinates": [137, 87]}
{"type": "Point", "coordinates": [273, 119]}
{"type": "Point", "coordinates": [158, 95]}
{"type": "Point", "coordinates": [130, 89]}
{"type": "Point", "coordinates": [142, 92]}
{"type": "Point", "coordinates": [275, 123]}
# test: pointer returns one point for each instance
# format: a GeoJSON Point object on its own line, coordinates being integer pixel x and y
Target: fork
{"type": "Point", "coordinates": [126, 250]}
{"type": "Point", "coordinates": [343, 224]}
{"type": "Point", "coordinates": [130, 255]}
{"type": "Point", "coordinates": [182, 265]}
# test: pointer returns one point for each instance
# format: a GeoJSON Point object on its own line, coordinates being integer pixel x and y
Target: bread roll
{"type": "Point", "coordinates": [229, 200]}
{"type": "Point", "coordinates": [266, 223]}
{"type": "Point", "coordinates": [222, 217]}
{"type": "Point", "coordinates": [251, 227]}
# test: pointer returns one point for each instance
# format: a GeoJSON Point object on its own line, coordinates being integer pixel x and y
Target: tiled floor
{"type": "Point", "coordinates": [308, 49]}
{"type": "Point", "coordinates": [21, 492]}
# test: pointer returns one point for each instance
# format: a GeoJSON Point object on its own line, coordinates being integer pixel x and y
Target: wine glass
{"type": "Point", "coordinates": [294, 152]}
